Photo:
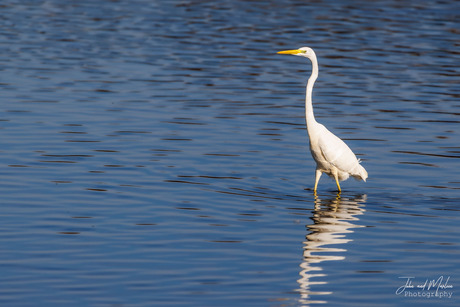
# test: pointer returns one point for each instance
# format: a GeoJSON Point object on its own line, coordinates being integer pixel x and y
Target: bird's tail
{"type": "Point", "coordinates": [361, 173]}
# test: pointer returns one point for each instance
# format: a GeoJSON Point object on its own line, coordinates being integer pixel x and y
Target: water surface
{"type": "Point", "coordinates": [155, 153]}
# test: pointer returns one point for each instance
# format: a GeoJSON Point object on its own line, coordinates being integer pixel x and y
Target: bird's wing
{"type": "Point", "coordinates": [336, 152]}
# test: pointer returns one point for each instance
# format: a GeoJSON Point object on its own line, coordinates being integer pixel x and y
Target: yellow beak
{"type": "Point", "coordinates": [296, 51]}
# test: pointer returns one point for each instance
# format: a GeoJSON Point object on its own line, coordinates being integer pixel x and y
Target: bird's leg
{"type": "Point", "coordinates": [336, 177]}
{"type": "Point", "coordinates": [317, 176]}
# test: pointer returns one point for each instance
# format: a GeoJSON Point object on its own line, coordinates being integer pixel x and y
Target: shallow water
{"type": "Point", "coordinates": [155, 153]}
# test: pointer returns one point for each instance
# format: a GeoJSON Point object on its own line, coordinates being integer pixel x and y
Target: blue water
{"type": "Point", "coordinates": [154, 153]}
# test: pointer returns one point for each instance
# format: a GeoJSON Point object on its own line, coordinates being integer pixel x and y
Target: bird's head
{"type": "Point", "coordinates": [304, 51]}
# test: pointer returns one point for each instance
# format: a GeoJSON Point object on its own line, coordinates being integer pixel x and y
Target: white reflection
{"type": "Point", "coordinates": [332, 220]}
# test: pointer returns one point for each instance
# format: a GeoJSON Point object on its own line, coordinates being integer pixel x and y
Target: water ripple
{"type": "Point", "coordinates": [155, 152]}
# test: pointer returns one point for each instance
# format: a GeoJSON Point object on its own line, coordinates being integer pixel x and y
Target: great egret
{"type": "Point", "coordinates": [333, 157]}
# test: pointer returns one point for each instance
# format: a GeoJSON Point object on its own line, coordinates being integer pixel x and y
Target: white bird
{"type": "Point", "coordinates": [333, 157]}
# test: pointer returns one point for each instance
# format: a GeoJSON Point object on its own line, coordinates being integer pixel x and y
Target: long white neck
{"type": "Point", "coordinates": [310, 117]}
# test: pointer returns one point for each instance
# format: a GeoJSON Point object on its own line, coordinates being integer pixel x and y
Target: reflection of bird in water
{"type": "Point", "coordinates": [332, 219]}
{"type": "Point", "coordinates": [333, 157]}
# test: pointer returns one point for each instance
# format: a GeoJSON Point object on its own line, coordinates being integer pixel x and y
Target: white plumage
{"type": "Point", "coordinates": [333, 157]}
